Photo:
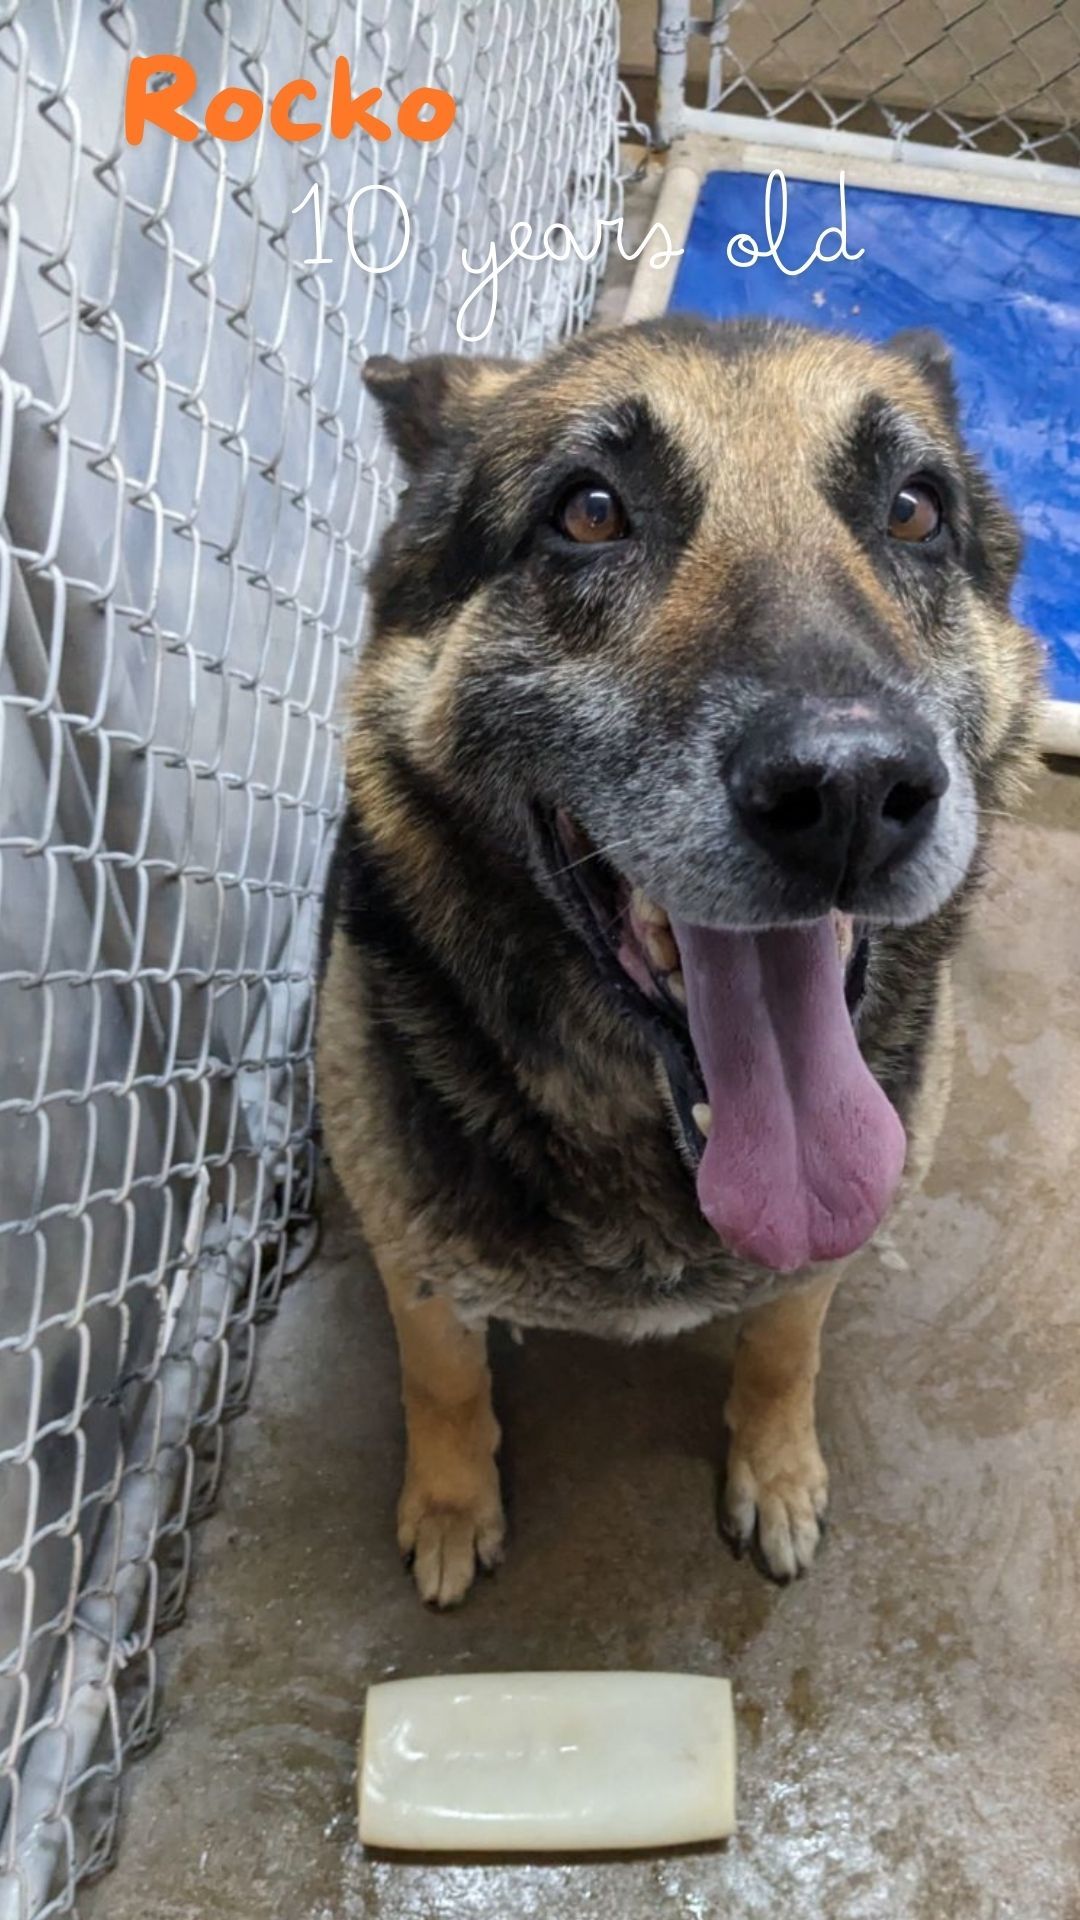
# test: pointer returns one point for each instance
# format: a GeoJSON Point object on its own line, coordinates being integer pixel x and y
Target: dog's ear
{"type": "Point", "coordinates": [927, 352]}
{"type": "Point", "coordinates": [429, 403]}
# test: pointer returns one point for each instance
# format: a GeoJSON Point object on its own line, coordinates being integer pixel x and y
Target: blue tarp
{"type": "Point", "coordinates": [1000, 284]}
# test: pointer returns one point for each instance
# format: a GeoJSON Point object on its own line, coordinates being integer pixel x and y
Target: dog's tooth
{"type": "Point", "coordinates": [845, 933]}
{"type": "Point", "coordinates": [661, 949]}
{"type": "Point", "coordinates": [646, 910]}
{"type": "Point", "coordinates": [702, 1118]}
{"type": "Point", "coordinates": [676, 986]}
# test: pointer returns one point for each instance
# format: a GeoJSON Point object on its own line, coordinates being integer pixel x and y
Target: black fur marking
{"type": "Point", "coordinates": [490, 1148]}
{"type": "Point", "coordinates": [995, 544]}
{"type": "Point", "coordinates": [856, 976]}
{"type": "Point", "coordinates": [439, 549]}
{"type": "Point", "coordinates": [629, 449]}
{"type": "Point", "coordinates": [496, 887]}
{"type": "Point", "coordinates": [336, 865]}
{"type": "Point", "coordinates": [431, 562]}
{"type": "Point", "coordinates": [881, 450]}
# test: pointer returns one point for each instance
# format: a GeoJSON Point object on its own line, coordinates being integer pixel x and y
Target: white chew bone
{"type": "Point", "coordinates": [556, 1762]}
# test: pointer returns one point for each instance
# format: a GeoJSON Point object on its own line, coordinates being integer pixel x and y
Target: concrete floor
{"type": "Point", "coordinates": [910, 1740]}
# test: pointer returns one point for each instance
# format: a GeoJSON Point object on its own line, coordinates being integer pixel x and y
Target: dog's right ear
{"type": "Point", "coordinates": [426, 404]}
{"type": "Point", "coordinates": [928, 353]}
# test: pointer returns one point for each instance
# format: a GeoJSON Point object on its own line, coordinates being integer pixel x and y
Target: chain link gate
{"type": "Point", "coordinates": [191, 481]}
{"type": "Point", "coordinates": [996, 80]}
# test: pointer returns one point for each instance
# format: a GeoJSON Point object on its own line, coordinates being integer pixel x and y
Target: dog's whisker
{"type": "Point", "coordinates": [595, 853]}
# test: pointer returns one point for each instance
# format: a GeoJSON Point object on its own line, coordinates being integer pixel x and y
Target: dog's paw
{"type": "Point", "coordinates": [777, 1488]}
{"type": "Point", "coordinates": [446, 1543]}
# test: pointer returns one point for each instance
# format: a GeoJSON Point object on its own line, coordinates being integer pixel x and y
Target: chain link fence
{"type": "Point", "coordinates": [1000, 78]}
{"type": "Point", "coordinates": [191, 481]}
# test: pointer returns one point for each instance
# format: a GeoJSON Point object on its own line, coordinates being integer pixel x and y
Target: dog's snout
{"type": "Point", "coordinates": [838, 792]}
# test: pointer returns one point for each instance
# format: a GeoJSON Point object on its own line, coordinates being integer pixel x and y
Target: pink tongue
{"type": "Point", "coordinates": [805, 1151]}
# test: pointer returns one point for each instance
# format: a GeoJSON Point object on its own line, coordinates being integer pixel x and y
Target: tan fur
{"type": "Point", "coordinates": [776, 1476]}
{"type": "Point", "coordinates": [450, 1518]}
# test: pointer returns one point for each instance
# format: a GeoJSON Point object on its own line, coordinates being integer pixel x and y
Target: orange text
{"type": "Point", "coordinates": [234, 114]}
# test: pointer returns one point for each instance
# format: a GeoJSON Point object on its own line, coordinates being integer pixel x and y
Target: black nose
{"type": "Point", "coordinates": [837, 791]}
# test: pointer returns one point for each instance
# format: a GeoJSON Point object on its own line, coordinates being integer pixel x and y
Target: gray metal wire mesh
{"type": "Point", "coordinates": [1000, 77]}
{"type": "Point", "coordinates": [191, 480]}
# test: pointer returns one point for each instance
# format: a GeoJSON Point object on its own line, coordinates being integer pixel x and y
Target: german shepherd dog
{"type": "Point", "coordinates": [692, 689]}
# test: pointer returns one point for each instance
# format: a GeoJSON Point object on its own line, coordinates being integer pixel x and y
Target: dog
{"type": "Point", "coordinates": [691, 694]}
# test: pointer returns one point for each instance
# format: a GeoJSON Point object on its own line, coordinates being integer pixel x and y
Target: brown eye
{"type": "Point", "coordinates": [915, 513]}
{"type": "Point", "coordinates": [591, 514]}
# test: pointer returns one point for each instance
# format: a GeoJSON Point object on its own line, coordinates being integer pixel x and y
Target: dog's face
{"type": "Point", "coordinates": [714, 621]}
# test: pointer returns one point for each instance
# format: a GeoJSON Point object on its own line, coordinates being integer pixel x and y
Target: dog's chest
{"type": "Point", "coordinates": [632, 1257]}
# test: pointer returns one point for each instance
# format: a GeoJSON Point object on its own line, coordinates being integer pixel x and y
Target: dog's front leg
{"type": "Point", "coordinates": [777, 1481]}
{"type": "Point", "coordinates": [450, 1516]}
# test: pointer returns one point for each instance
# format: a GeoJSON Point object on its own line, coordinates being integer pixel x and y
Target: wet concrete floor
{"type": "Point", "coordinates": [909, 1714]}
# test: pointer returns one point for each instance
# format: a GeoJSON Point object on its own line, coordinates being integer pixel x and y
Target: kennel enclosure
{"type": "Point", "coordinates": [191, 483]}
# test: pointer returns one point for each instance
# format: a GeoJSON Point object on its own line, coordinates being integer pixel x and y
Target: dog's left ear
{"type": "Point", "coordinates": [430, 403]}
{"type": "Point", "coordinates": [927, 352]}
